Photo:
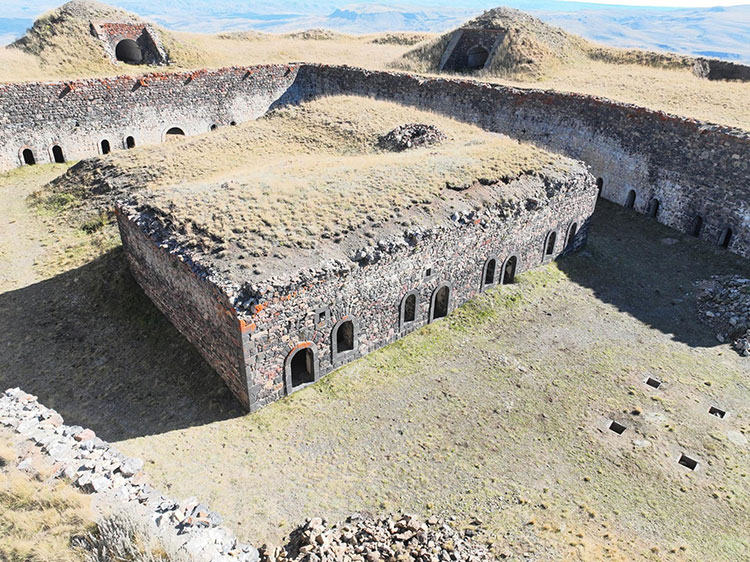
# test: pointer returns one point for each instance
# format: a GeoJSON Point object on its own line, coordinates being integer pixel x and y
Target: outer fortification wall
{"type": "Point", "coordinates": [77, 116]}
{"type": "Point", "coordinates": [692, 176]}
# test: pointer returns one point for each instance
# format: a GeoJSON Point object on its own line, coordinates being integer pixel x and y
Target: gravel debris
{"type": "Point", "coordinates": [724, 305]}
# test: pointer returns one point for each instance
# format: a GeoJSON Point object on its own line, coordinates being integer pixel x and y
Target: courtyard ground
{"type": "Point", "coordinates": [497, 413]}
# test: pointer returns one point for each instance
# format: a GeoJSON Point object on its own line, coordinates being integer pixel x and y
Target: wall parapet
{"type": "Point", "coordinates": [96, 467]}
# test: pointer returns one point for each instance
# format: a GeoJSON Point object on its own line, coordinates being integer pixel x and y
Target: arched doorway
{"type": "Point", "coordinates": [57, 154]}
{"type": "Point", "coordinates": [509, 270]}
{"type": "Point", "coordinates": [725, 238]}
{"type": "Point", "coordinates": [28, 157]}
{"type": "Point", "coordinates": [488, 275]}
{"type": "Point", "coordinates": [549, 245]}
{"type": "Point", "coordinates": [128, 51]}
{"type": "Point", "coordinates": [653, 208]}
{"type": "Point", "coordinates": [345, 337]}
{"type": "Point", "coordinates": [440, 302]}
{"type": "Point", "coordinates": [130, 142]}
{"type": "Point", "coordinates": [105, 146]}
{"type": "Point", "coordinates": [173, 133]}
{"type": "Point", "coordinates": [599, 186]}
{"type": "Point", "coordinates": [476, 57]}
{"type": "Point", "coordinates": [301, 368]}
{"type": "Point", "coordinates": [409, 309]}
{"type": "Point", "coordinates": [570, 240]}
{"type": "Point", "coordinates": [630, 200]}
{"type": "Point", "coordinates": [697, 226]}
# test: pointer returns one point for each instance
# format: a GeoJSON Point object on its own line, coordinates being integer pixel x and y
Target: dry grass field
{"type": "Point", "coordinates": [38, 515]}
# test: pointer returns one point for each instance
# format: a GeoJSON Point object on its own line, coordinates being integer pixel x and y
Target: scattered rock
{"type": "Point", "coordinates": [412, 135]}
{"type": "Point", "coordinates": [724, 305]}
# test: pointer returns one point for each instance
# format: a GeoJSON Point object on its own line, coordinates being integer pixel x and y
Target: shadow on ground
{"type": "Point", "coordinates": [649, 271]}
{"type": "Point", "coordinates": [91, 345]}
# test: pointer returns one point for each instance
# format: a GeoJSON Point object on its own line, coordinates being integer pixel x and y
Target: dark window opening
{"type": "Point", "coordinates": [630, 201]}
{"type": "Point", "coordinates": [233, 123]}
{"type": "Point", "coordinates": [214, 127]}
{"type": "Point", "coordinates": [489, 272]}
{"type": "Point", "coordinates": [129, 51]}
{"type": "Point", "coordinates": [714, 411]}
{"type": "Point", "coordinates": [653, 208]}
{"type": "Point", "coordinates": [442, 298]}
{"type": "Point", "coordinates": [321, 316]}
{"type": "Point", "coordinates": [599, 186]}
{"type": "Point", "coordinates": [105, 147]}
{"type": "Point", "coordinates": [476, 57]}
{"type": "Point", "coordinates": [653, 383]}
{"type": "Point", "coordinates": [697, 226]}
{"type": "Point", "coordinates": [550, 246]}
{"type": "Point", "coordinates": [175, 132]}
{"type": "Point", "coordinates": [28, 157]}
{"type": "Point", "coordinates": [428, 272]}
{"type": "Point", "coordinates": [345, 337]}
{"type": "Point", "coordinates": [692, 464]}
{"type": "Point", "coordinates": [572, 231]}
{"type": "Point", "coordinates": [130, 142]}
{"type": "Point", "coordinates": [618, 428]}
{"type": "Point", "coordinates": [410, 308]}
{"type": "Point", "coordinates": [303, 367]}
{"type": "Point", "coordinates": [58, 155]}
{"type": "Point", "coordinates": [725, 238]}
{"type": "Point", "coordinates": [509, 271]}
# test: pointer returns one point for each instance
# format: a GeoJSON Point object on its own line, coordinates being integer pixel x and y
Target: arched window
{"type": "Point", "coordinates": [509, 270]}
{"type": "Point", "coordinates": [488, 273]}
{"type": "Point", "coordinates": [343, 338]}
{"type": "Point", "coordinates": [105, 146]}
{"type": "Point", "coordinates": [301, 367]}
{"type": "Point", "coordinates": [630, 201]}
{"type": "Point", "coordinates": [174, 132]}
{"type": "Point", "coordinates": [130, 142]}
{"type": "Point", "coordinates": [549, 243]}
{"type": "Point", "coordinates": [599, 186]}
{"type": "Point", "coordinates": [409, 309]}
{"type": "Point", "coordinates": [653, 208]}
{"type": "Point", "coordinates": [476, 57]}
{"type": "Point", "coordinates": [725, 238]}
{"type": "Point", "coordinates": [440, 302]}
{"type": "Point", "coordinates": [57, 154]}
{"type": "Point", "coordinates": [571, 238]}
{"type": "Point", "coordinates": [129, 51]}
{"type": "Point", "coordinates": [214, 126]}
{"type": "Point", "coordinates": [28, 157]}
{"type": "Point", "coordinates": [697, 226]}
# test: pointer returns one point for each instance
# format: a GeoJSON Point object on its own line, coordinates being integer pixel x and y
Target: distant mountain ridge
{"type": "Point", "coordinates": [712, 32]}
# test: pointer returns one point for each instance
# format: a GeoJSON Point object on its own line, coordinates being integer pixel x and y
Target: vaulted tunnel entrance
{"type": "Point", "coordinates": [28, 157]}
{"type": "Point", "coordinates": [476, 57]}
{"type": "Point", "coordinates": [345, 337]}
{"type": "Point", "coordinates": [509, 271]}
{"type": "Point", "coordinates": [302, 367]}
{"type": "Point", "coordinates": [442, 298]}
{"type": "Point", "coordinates": [128, 51]}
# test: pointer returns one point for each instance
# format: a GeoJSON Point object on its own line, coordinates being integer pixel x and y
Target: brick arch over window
{"type": "Point", "coordinates": [301, 367]}
{"type": "Point", "coordinates": [508, 271]}
{"type": "Point", "coordinates": [409, 310]}
{"type": "Point", "coordinates": [440, 302]}
{"type": "Point", "coordinates": [173, 133]}
{"type": "Point", "coordinates": [489, 273]}
{"type": "Point", "coordinates": [344, 339]}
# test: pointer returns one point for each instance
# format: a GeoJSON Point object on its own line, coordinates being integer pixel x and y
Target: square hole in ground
{"type": "Point", "coordinates": [714, 411]}
{"type": "Point", "coordinates": [653, 383]}
{"type": "Point", "coordinates": [692, 464]}
{"type": "Point", "coordinates": [618, 428]}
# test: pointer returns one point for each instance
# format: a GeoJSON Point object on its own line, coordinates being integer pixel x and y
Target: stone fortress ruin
{"type": "Point", "coordinates": [307, 312]}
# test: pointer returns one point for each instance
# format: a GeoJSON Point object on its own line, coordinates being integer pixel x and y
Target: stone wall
{"type": "Point", "coordinates": [191, 301]}
{"type": "Point", "coordinates": [187, 529]}
{"type": "Point", "coordinates": [715, 69]}
{"type": "Point", "coordinates": [692, 168]}
{"type": "Point", "coordinates": [78, 115]}
{"type": "Point", "coordinates": [306, 313]}
{"type": "Point", "coordinates": [456, 57]}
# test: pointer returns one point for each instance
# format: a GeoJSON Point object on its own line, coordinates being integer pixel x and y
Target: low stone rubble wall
{"type": "Point", "coordinates": [189, 528]}
{"type": "Point", "coordinates": [724, 305]}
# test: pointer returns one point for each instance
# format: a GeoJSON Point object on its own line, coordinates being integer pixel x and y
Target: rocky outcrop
{"type": "Point", "coordinates": [724, 304]}
{"type": "Point", "coordinates": [94, 466]}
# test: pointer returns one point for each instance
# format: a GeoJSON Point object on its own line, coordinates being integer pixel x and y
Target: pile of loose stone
{"type": "Point", "coordinates": [411, 135]}
{"type": "Point", "coordinates": [192, 530]}
{"type": "Point", "coordinates": [724, 304]}
{"type": "Point", "coordinates": [388, 539]}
